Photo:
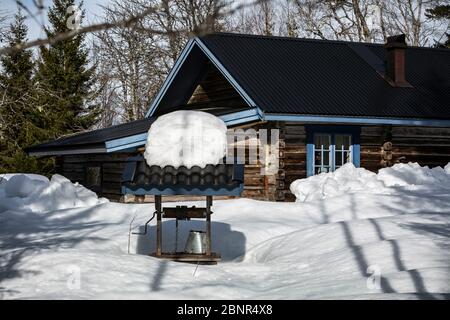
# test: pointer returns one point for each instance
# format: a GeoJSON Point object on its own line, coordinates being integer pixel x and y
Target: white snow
{"type": "Point", "coordinates": [186, 138]}
{"type": "Point", "coordinates": [6, 176]}
{"type": "Point", "coordinates": [361, 244]}
{"type": "Point", "coordinates": [348, 179]}
{"type": "Point", "coordinates": [413, 176]}
{"type": "Point", "coordinates": [25, 193]}
{"type": "Point", "coordinates": [344, 180]}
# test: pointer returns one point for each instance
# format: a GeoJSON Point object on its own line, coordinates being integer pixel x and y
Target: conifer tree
{"type": "Point", "coordinates": [22, 122]}
{"type": "Point", "coordinates": [64, 76]}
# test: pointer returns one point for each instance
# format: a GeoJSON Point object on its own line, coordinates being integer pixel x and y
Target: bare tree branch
{"type": "Point", "coordinates": [134, 19]}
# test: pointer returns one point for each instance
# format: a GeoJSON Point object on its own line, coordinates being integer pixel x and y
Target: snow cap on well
{"type": "Point", "coordinates": [186, 138]}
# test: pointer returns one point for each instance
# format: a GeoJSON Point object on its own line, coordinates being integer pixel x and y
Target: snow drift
{"type": "Point", "coordinates": [186, 138]}
{"type": "Point", "coordinates": [385, 236]}
{"type": "Point", "coordinates": [315, 250]}
{"type": "Point", "coordinates": [38, 194]}
{"type": "Point", "coordinates": [349, 179]}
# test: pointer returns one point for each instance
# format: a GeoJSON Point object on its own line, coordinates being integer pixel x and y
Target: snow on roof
{"type": "Point", "coordinates": [186, 138]}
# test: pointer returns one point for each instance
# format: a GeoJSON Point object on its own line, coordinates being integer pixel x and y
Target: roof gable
{"type": "Point", "coordinates": [190, 68]}
{"type": "Point", "coordinates": [315, 77]}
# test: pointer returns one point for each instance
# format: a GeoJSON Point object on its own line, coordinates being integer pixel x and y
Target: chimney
{"type": "Point", "coordinates": [395, 60]}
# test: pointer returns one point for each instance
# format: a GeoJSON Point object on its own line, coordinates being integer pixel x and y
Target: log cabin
{"type": "Point", "coordinates": [332, 101]}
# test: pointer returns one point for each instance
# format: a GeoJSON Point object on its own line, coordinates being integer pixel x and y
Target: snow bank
{"type": "Point", "coordinates": [349, 179]}
{"type": "Point", "coordinates": [413, 176]}
{"type": "Point", "coordinates": [346, 179]}
{"type": "Point", "coordinates": [316, 250]}
{"type": "Point", "coordinates": [6, 176]}
{"type": "Point", "coordinates": [186, 138]}
{"type": "Point", "coordinates": [22, 185]}
{"type": "Point", "coordinates": [22, 192]}
{"type": "Point", "coordinates": [325, 249]}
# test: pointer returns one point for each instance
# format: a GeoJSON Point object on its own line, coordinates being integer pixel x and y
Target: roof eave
{"type": "Point", "coordinates": [48, 152]}
{"type": "Point", "coordinates": [356, 120]}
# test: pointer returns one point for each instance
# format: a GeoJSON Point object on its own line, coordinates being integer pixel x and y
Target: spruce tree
{"type": "Point", "coordinates": [21, 121]}
{"type": "Point", "coordinates": [65, 77]}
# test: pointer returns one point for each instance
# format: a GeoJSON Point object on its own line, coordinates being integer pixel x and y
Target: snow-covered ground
{"type": "Point", "coordinates": [341, 240]}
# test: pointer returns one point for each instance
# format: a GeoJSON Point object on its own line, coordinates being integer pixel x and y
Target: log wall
{"type": "Point", "coordinates": [381, 146]}
{"type": "Point", "coordinates": [74, 168]}
{"type": "Point", "coordinates": [425, 145]}
{"type": "Point", "coordinates": [258, 185]}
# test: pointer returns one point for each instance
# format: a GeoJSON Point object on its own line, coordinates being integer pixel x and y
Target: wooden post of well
{"type": "Point", "coordinates": [158, 225]}
{"type": "Point", "coordinates": [208, 224]}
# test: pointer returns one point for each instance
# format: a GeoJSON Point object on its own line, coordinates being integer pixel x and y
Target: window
{"type": "Point", "coordinates": [322, 153]}
{"type": "Point", "coordinates": [330, 147]}
{"type": "Point", "coordinates": [93, 177]}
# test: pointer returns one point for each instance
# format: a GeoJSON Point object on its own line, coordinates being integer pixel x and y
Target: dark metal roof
{"type": "Point", "coordinates": [222, 179]}
{"type": "Point", "coordinates": [91, 141]}
{"type": "Point", "coordinates": [335, 78]}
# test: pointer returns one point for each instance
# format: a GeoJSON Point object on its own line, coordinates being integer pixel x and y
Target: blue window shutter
{"type": "Point", "coordinates": [356, 134]}
{"type": "Point", "coordinates": [356, 155]}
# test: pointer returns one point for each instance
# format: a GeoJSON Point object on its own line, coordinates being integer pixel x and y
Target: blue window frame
{"type": "Point", "coordinates": [329, 147]}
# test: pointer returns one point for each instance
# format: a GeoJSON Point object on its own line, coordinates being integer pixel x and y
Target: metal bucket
{"type": "Point", "coordinates": [196, 242]}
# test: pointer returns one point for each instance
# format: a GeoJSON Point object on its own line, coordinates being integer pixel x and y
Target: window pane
{"type": "Point", "coordinates": [317, 157]}
{"type": "Point", "coordinates": [347, 156]}
{"type": "Point", "coordinates": [338, 158]}
{"type": "Point", "coordinates": [319, 169]}
{"type": "Point", "coordinates": [322, 144]}
{"type": "Point", "coordinates": [93, 177]}
{"type": "Point", "coordinates": [326, 158]}
{"type": "Point", "coordinates": [322, 140]}
{"type": "Point", "coordinates": [343, 141]}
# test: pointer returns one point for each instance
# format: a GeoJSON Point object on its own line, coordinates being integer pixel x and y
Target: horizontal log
{"type": "Point", "coordinates": [421, 141]}
{"type": "Point", "coordinates": [110, 190]}
{"type": "Point", "coordinates": [420, 131]}
{"type": "Point", "coordinates": [295, 166]}
{"type": "Point", "coordinates": [260, 187]}
{"type": "Point", "coordinates": [372, 131]}
{"type": "Point", "coordinates": [113, 171]}
{"type": "Point", "coordinates": [295, 150]}
{"type": "Point", "coordinates": [421, 159]}
{"type": "Point", "coordinates": [107, 177]}
{"type": "Point", "coordinates": [74, 169]}
{"type": "Point", "coordinates": [75, 177]}
{"type": "Point", "coordinates": [445, 151]}
{"type": "Point", "coordinates": [113, 165]}
{"type": "Point", "coordinates": [184, 212]}
{"type": "Point", "coordinates": [115, 197]}
{"type": "Point", "coordinates": [112, 184]}
{"type": "Point", "coordinates": [117, 157]}
{"type": "Point", "coordinates": [252, 181]}
{"type": "Point", "coordinates": [295, 173]}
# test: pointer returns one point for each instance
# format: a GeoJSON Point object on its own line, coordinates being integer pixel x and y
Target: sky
{"type": "Point", "coordinates": [93, 10]}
